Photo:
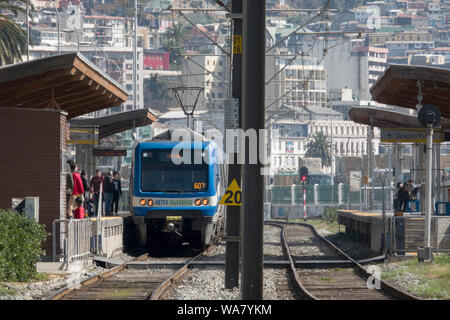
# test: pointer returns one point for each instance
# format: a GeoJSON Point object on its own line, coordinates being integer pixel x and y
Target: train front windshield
{"type": "Point", "coordinates": [160, 174]}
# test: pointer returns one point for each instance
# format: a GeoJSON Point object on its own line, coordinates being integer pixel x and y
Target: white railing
{"type": "Point", "coordinates": [71, 239]}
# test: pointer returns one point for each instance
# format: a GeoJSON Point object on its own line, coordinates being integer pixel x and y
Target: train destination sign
{"type": "Point", "coordinates": [411, 135]}
{"type": "Point", "coordinates": [109, 153]}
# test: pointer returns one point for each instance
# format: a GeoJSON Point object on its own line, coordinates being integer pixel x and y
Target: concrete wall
{"type": "Point", "coordinates": [443, 233]}
{"type": "Point", "coordinates": [112, 235]}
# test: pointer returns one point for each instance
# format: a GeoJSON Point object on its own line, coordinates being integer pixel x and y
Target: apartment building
{"type": "Point", "coordinates": [298, 83]}
{"type": "Point", "coordinates": [105, 31]}
{"type": "Point", "coordinates": [209, 72]}
{"type": "Point", "coordinates": [380, 39]}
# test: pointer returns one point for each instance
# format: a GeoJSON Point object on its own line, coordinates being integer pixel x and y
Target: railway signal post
{"type": "Point", "coordinates": [303, 178]}
{"type": "Point", "coordinates": [253, 118]}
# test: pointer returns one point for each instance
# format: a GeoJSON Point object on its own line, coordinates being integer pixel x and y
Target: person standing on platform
{"type": "Point", "coordinates": [78, 190]}
{"type": "Point", "coordinates": [79, 211]}
{"type": "Point", "coordinates": [107, 192]}
{"type": "Point", "coordinates": [397, 203]}
{"type": "Point", "coordinates": [69, 189]}
{"type": "Point", "coordinates": [403, 197]}
{"type": "Point", "coordinates": [116, 192]}
{"type": "Point", "coordinates": [85, 187]}
{"type": "Point", "coordinates": [94, 187]}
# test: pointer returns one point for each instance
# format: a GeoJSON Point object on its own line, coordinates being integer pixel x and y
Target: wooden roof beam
{"type": "Point", "coordinates": [26, 88]}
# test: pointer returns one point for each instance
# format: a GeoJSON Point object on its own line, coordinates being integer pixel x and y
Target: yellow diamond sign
{"type": "Point", "coordinates": [232, 196]}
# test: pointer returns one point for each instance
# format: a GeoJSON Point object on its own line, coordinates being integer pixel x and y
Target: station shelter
{"type": "Point", "coordinates": [37, 98]}
{"type": "Point", "coordinates": [409, 87]}
{"type": "Point", "coordinates": [87, 133]}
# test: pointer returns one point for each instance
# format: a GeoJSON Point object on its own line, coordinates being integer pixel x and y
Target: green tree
{"type": "Point", "coordinates": [175, 43]}
{"type": "Point", "coordinates": [13, 39]}
{"type": "Point", "coordinates": [20, 246]}
{"type": "Point", "coordinates": [157, 94]}
{"type": "Point", "coordinates": [320, 147]}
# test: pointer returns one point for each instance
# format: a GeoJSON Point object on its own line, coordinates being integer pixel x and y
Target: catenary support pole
{"type": "Point", "coordinates": [253, 68]}
{"type": "Point", "coordinates": [135, 57]}
{"type": "Point", "coordinates": [428, 184]}
{"type": "Point", "coordinates": [232, 253]}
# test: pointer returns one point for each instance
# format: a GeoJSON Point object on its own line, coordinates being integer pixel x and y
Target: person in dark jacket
{"type": "Point", "coordinates": [107, 192]}
{"type": "Point", "coordinates": [85, 187]}
{"type": "Point", "coordinates": [116, 192]}
{"type": "Point", "coordinates": [403, 197]}
{"type": "Point", "coordinates": [94, 187]}
{"type": "Point", "coordinates": [397, 204]}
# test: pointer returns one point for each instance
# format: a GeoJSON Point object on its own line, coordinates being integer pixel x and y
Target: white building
{"type": "Point", "coordinates": [349, 140]}
{"type": "Point", "coordinates": [349, 65]}
{"type": "Point", "coordinates": [209, 72]}
{"type": "Point", "coordinates": [107, 31]}
{"type": "Point", "coordinates": [297, 83]}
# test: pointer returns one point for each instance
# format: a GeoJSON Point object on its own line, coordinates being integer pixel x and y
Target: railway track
{"type": "Point", "coordinates": [123, 283]}
{"type": "Point", "coordinates": [319, 278]}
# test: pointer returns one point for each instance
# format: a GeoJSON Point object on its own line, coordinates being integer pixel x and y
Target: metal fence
{"type": "Point", "coordinates": [332, 194]}
{"type": "Point", "coordinates": [72, 239]}
{"type": "Point", "coordinates": [339, 194]}
{"type": "Point", "coordinates": [406, 234]}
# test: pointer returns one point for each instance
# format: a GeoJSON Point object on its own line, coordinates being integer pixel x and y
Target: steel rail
{"type": "Point", "coordinates": [385, 286]}
{"type": "Point", "coordinates": [66, 290]}
{"type": "Point", "coordinates": [159, 291]}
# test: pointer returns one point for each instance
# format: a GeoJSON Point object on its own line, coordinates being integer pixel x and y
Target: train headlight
{"type": "Point", "coordinates": [197, 202]}
{"type": "Point", "coordinates": [150, 202]}
{"type": "Point", "coordinates": [142, 202]}
{"type": "Point", "coordinates": [205, 202]}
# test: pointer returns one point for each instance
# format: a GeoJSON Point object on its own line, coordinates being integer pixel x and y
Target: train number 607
{"type": "Point", "coordinates": [229, 195]}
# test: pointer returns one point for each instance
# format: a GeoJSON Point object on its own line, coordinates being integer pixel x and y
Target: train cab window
{"type": "Point", "coordinates": [160, 174]}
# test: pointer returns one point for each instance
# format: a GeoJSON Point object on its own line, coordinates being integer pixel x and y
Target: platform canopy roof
{"type": "Point", "coordinates": [66, 82]}
{"type": "Point", "coordinates": [387, 119]}
{"type": "Point", "coordinates": [116, 123]}
{"type": "Point", "coordinates": [398, 86]}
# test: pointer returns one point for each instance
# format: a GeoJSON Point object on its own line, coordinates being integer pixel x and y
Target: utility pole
{"type": "Point", "coordinates": [135, 103]}
{"type": "Point", "coordinates": [253, 118]}
{"type": "Point", "coordinates": [232, 253]}
{"type": "Point", "coordinates": [28, 31]}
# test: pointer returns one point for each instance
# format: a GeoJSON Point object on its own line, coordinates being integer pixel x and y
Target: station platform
{"type": "Point", "coordinates": [404, 234]}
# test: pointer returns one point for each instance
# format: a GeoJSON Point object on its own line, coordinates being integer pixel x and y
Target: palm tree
{"type": "Point", "coordinates": [13, 39]}
{"type": "Point", "coordinates": [175, 43]}
{"type": "Point", "coordinates": [319, 147]}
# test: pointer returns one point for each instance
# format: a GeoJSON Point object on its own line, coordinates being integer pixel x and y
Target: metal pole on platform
{"type": "Point", "coordinates": [428, 194]}
{"type": "Point", "coordinates": [233, 224]}
{"type": "Point", "coordinates": [253, 118]}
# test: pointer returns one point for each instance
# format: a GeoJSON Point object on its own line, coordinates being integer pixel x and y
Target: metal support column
{"type": "Point", "coordinates": [428, 184]}
{"type": "Point", "coordinates": [232, 254]}
{"type": "Point", "coordinates": [253, 118]}
{"type": "Point", "coordinates": [371, 166]}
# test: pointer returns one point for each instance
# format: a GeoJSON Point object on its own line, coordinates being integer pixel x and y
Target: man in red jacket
{"type": "Point", "coordinates": [78, 189]}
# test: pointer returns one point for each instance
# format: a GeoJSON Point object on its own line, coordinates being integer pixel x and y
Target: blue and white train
{"type": "Point", "coordinates": [174, 204]}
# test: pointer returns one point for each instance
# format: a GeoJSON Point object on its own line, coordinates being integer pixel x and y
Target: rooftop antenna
{"type": "Point", "coordinates": [188, 109]}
